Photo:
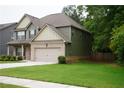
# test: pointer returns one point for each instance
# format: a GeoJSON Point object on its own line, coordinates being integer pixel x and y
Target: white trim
{"type": "Point", "coordinates": [22, 50]}
{"type": "Point", "coordinates": [8, 48]}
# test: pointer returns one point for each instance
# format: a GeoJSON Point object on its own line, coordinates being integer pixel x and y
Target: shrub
{"type": "Point", "coordinates": [2, 58]}
{"type": "Point", "coordinates": [19, 58]}
{"type": "Point", "coordinates": [62, 60]}
{"type": "Point", "coordinates": [6, 58]}
{"type": "Point", "coordinates": [12, 58]}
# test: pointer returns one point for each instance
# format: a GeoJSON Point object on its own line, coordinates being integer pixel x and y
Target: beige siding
{"type": "Point", "coordinates": [51, 44]}
{"type": "Point", "coordinates": [48, 34]}
{"type": "Point", "coordinates": [24, 23]}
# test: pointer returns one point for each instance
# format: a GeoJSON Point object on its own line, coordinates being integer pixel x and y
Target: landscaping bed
{"type": "Point", "coordinates": [10, 59]}
{"type": "Point", "coordinates": [84, 73]}
{"type": "Point", "coordinates": [3, 62]}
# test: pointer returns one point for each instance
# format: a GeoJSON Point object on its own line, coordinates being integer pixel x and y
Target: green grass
{"type": "Point", "coordinates": [9, 86]}
{"type": "Point", "coordinates": [80, 74]}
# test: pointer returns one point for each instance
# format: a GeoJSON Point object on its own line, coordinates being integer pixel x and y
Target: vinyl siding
{"type": "Point", "coordinates": [5, 37]}
{"type": "Point", "coordinates": [24, 23]}
{"type": "Point", "coordinates": [81, 43]}
{"type": "Point", "coordinates": [48, 34]}
{"type": "Point", "coordinates": [66, 31]}
{"type": "Point", "coordinates": [31, 27]}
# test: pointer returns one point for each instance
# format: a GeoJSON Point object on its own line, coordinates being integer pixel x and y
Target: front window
{"type": "Point", "coordinates": [18, 51]}
{"type": "Point", "coordinates": [21, 35]}
{"type": "Point", "coordinates": [32, 33]}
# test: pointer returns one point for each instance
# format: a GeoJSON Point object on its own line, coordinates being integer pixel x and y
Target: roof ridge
{"type": "Point", "coordinates": [8, 23]}
{"type": "Point", "coordinates": [51, 14]}
{"type": "Point", "coordinates": [31, 16]}
{"type": "Point", "coordinates": [74, 21]}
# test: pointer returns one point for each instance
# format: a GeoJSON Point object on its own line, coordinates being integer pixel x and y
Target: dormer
{"type": "Point", "coordinates": [23, 23]}
{"type": "Point", "coordinates": [27, 27]}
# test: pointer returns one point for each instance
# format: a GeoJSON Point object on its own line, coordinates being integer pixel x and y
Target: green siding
{"type": "Point", "coordinates": [66, 31]}
{"type": "Point", "coordinates": [81, 43]}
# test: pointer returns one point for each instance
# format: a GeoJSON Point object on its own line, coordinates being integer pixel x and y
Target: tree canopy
{"type": "Point", "coordinates": [100, 20]}
{"type": "Point", "coordinates": [117, 43]}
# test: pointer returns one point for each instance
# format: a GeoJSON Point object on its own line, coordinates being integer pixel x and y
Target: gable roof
{"type": "Point", "coordinates": [34, 20]}
{"type": "Point", "coordinates": [19, 42]}
{"type": "Point", "coordinates": [3, 26]}
{"type": "Point", "coordinates": [66, 39]}
{"type": "Point", "coordinates": [61, 20]}
{"type": "Point", "coordinates": [56, 20]}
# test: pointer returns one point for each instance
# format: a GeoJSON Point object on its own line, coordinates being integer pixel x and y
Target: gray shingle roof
{"type": "Point", "coordinates": [60, 20]}
{"type": "Point", "coordinates": [53, 21]}
{"type": "Point", "coordinates": [57, 20]}
{"type": "Point", "coordinates": [2, 26]}
{"type": "Point", "coordinates": [36, 21]}
{"type": "Point", "coordinates": [20, 42]}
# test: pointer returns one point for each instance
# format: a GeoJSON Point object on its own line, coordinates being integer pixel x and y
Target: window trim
{"type": "Point", "coordinates": [31, 35]}
{"type": "Point", "coordinates": [17, 37]}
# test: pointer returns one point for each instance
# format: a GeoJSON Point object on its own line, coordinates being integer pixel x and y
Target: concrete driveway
{"type": "Point", "coordinates": [25, 63]}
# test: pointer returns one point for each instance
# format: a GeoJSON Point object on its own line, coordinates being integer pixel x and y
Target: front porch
{"type": "Point", "coordinates": [23, 50]}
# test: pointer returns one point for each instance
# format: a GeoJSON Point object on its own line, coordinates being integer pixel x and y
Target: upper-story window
{"type": "Point", "coordinates": [32, 33]}
{"type": "Point", "coordinates": [21, 35]}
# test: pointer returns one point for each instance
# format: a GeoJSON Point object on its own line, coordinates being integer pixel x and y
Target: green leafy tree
{"type": "Point", "coordinates": [75, 12]}
{"type": "Point", "coordinates": [100, 20]}
{"type": "Point", "coordinates": [117, 43]}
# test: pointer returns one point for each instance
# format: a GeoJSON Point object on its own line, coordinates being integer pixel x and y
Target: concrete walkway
{"type": "Point", "coordinates": [25, 63]}
{"type": "Point", "coordinates": [32, 83]}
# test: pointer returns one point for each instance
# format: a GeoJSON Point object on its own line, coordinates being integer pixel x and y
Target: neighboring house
{"type": "Point", "coordinates": [6, 31]}
{"type": "Point", "coordinates": [49, 37]}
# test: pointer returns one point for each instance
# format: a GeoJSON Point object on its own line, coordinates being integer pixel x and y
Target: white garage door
{"type": "Point", "coordinates": [47, 55]}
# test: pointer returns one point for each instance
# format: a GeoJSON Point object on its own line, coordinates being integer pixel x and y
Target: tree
{"type": "Point", "coordinates": [100, 20]}
{"type": "Point", "coordinates": [117, 43]}
{"type": "Point", "coordinates": [75, 12]}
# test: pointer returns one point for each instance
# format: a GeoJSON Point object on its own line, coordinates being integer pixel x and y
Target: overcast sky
{"type": "Point", "coordinates": [14, 13]}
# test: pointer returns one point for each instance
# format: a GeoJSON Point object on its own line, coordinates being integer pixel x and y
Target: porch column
{"type": "Point", "coordinates": [22, 50]}
{"type": "Point", "coordinates": [14, 51]}
{"type": "Point", "coordinates": [8, 50]}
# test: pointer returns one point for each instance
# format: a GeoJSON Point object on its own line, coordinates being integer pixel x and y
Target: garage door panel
{"type": "Point", "coordinates": [47, 55]}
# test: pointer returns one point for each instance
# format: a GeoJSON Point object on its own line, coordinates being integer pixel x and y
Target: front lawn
{"type": "Point", "coordinates": [80, 74]}
{"type": "Point", "coordinates": [9, 86]}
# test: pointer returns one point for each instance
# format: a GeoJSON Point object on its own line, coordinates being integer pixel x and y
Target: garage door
{"type": "Point", "coordinates": [47, 55]}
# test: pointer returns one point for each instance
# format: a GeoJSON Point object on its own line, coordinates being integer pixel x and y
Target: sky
{"type": "Point", "coordinates": [13, 13]}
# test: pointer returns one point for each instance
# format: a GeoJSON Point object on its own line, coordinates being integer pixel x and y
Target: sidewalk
{"type": "Point", "coordinates": [26, 63]}
{"type": "Point", "coordinates": [33, 83]}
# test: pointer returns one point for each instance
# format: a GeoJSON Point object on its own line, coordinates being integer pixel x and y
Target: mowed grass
{"type": "Point", "coordinates": [9, 86]}
{"type": "Point", "coordinates": [80, 74]}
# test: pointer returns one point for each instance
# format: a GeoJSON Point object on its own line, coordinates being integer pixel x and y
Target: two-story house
{"type": "Point", "coordinates": [49, 37]}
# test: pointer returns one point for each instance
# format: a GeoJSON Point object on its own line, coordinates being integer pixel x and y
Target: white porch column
{"type": "Point", "coordinates": [8, 50]}
{"type": "Point", "coordinates": [22, 50]}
